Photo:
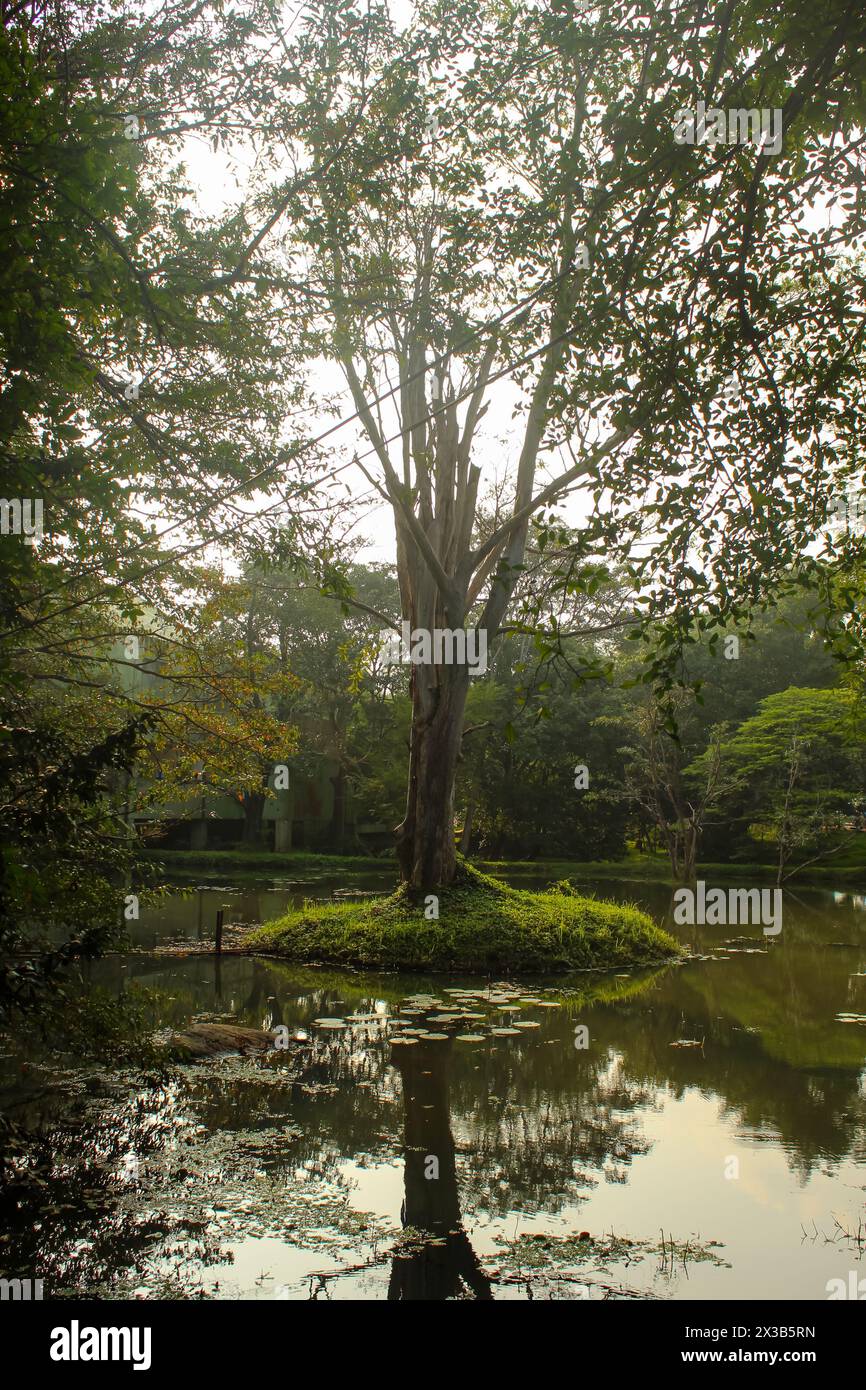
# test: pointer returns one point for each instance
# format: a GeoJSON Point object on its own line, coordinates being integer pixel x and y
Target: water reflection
{"type": "Point", "coordinates": [249, 1163]}
{"type": "Point", "coordinates": [190, 914]}
{"type": "Point", "coordinates": [440, 1265]}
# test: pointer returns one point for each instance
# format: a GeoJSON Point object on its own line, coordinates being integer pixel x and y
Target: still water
{"type": "Point", "coordinates": [706, 1143]}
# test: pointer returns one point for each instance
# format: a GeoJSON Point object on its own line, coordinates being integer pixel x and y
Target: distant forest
{"type": "Point", "coordinates": [760, 756]}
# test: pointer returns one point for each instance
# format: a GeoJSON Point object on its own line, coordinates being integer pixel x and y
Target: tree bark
{"type": "Point", "coordinates": [253, 807]}
{"type": "Point", "coordinates": [466, 837]}
{"type": "Point", "coordinates": [425, 839]}
{"type": "Point", "coordinates": [337, 828]}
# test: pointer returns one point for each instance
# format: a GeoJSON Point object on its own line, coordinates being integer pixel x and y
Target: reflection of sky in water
{"type": "Point", "coordinates": [857, 900]}
{"type": "Point", "coordinates": [192, 917]}
{"type": "Point", "coordinates": [632, 1136]}
{"type": "Point", "coordinates": [672, 1143]}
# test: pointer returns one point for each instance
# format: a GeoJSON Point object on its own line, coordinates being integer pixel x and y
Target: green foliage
{"type": "Point", "coordinates": [799, 765]}
{"type": "Point", "coordinates": [830, 721]}
{"type": "Point", "coordinates": [64, 856]}
{"type": "Point", "coordinates": [219, 694]}
{"type": "Point", "coordinates": [128, 390]}
{"type": "Point", "coordinates": [482, 926]}
{"type": "Point", "coordinates": [522, 789]}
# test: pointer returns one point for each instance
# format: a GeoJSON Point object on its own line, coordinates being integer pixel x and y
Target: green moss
{"type": "Point", "coordinates": [483, 925]}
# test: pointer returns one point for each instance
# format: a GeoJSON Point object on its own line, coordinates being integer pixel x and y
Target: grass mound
{"type": "Point", "coordinates": [482, 925]}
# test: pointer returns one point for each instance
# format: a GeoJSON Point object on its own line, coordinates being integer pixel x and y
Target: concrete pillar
{"type": "Point", "coordinates": [285, 808]}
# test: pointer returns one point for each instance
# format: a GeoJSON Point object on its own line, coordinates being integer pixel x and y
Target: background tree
{"type": "Point", "coordinates": [797, 773]}
{"type": "Point", "coordinates": [133, 390]}
{"type": "Point", "coordinates": [332, 645]}
{"type": "Point", "coordinates": [544, 772]}
{"type": "Point", "coordinates": [220, 695]}
{"type": "Point", "coordinates": [677, 806]}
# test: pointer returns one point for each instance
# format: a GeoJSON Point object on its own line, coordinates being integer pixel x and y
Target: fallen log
{"type": "Point", "coordinates": [219, 1039]}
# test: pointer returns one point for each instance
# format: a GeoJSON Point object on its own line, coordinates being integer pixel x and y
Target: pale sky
{"type": "Point", "coordinates": [219, 182]}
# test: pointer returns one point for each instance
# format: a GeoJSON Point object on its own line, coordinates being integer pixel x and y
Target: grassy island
{"type": "Point", "coordinates": [482, 925]}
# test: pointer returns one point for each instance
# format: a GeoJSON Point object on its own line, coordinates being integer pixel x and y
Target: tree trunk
{"type": "Point", "coordinates": [441, 1266]}
{"type": "Point", "coordinates": [466, 837]}
{"type": "Point", "coordinates": [785, 826]}
{"type": "Point", "coordinates": [253, 806]}
{"type": "Point", "coordinates": [425, 839]}
{"type": "Point", "coordinates": [690, 852]}
{"type": "Point", "coordinates": [337, 828]}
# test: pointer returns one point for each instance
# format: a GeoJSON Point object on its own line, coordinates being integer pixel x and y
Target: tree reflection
{"type": "Point", "coordinates": [442, 1264]}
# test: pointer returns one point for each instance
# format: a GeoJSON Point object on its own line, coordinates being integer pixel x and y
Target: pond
{"type": "Point", "coordinates": [695, 1131]}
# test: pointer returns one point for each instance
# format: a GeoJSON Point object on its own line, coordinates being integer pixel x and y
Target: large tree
{"type": "Point", "coordinates": [508, 190]}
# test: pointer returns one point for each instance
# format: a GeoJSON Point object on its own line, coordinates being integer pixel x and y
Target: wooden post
{"type": "Point", "coordinates": [219, 931]}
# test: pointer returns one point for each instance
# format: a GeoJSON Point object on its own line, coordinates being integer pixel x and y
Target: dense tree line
{"type": "Point", "coordinates": [565, 751]}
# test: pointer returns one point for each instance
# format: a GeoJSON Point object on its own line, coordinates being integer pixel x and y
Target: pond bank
{"type": "Point", "coordinates": [637, 868]}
